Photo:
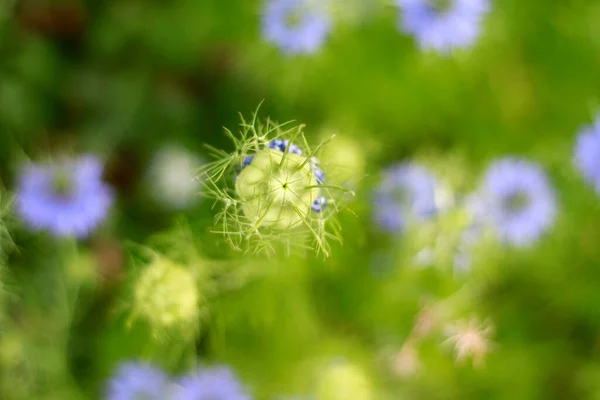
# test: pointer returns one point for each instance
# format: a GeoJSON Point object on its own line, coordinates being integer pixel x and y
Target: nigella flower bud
{"type": "Point", "coordinates": [166, 295]}
{"type": "Point", "coordinates": [277, 189]}
{"type": "Point", "coordinates": [273, 190]}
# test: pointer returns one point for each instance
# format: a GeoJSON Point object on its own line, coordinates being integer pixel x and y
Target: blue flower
{"type": "Point", "coordinates": [296, 26]}
{"type": "Point", "coordinates": [407, 192]}
{"type": "Point", "coordinates": [319, 204]}
{"type": "Point", "coordinates": [587, 154]}
{"type": "Point", "coordinates": [218, 383]}
{"type": "Point", "coordinates": [66, 199]}
{"type": "Point", "coordinates": [443, 25]}
{"type": "Point", "coordinates": [134, 381]}
{"type": "Point", "coordinates": [518, 200]}
{"type": "Point", "coordinates": [316, 169]}
{"type": "Point", "coordinates": [281, 145]}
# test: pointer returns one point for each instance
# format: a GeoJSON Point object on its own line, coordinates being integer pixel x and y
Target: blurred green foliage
{"type": "Point", "coordinates": [123, 78]}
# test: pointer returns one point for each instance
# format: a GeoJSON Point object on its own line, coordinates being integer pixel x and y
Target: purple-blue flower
{"type": "Point", "coordinates": [281, 145]}
{"type": "Point", "coordinates": [217, 383]}
{"type": "Point", "coordinates": [134, 381]}
{"type": "Point", "coordinates": [518, 200]}
{"type": "Point", "coordinates": [296, 26]}
{"type": "Point", "coordinates": [67, 198]}
{"type": "Point", "coordinates": [406, 193]}
{"type": "Point", "coordinates": [443, 25]}
{"type": "Point", "coordinates": [587, 154]}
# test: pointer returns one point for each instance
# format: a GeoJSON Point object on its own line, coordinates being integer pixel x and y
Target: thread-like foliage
{"type": "Point", "coordinates": [271, 192]}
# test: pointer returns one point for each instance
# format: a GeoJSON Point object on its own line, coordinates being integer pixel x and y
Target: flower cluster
{"type": "Point", "coordinates": [515, 201]}
{"type": "Point", "coordinates": [302, 26]}
{"type": "Point", "coordinates": [136, 380]}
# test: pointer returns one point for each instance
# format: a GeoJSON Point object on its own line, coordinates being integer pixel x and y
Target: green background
{"type": "Point", "coordinates": [123, 78]}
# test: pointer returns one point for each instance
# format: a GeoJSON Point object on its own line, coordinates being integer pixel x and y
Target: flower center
{"type": "Point", "coordinates": [286, 186]}
{"type": "Point", "coordinates": [403, 196]}
{"type": "Point", "coordinates": [63, 184]}
{"type": "Point", "coordinates": [294, 18]}
{"type": "Point", "coordinates": [440, 5]}
{"type": "Point", "coordinates": [143, 396]}
{"type": "Point", "coordinates": [516, 202]}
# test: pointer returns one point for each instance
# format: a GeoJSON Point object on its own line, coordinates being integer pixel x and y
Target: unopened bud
{"type": "Point", "coordinates": [166, 294]}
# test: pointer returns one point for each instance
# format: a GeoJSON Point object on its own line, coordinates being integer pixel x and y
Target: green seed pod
{"type": "Point", "coordinates": [166, 295]}
{"type": "Point", "coordinates": [277, 191]}
{"type": "Point", "coordinates": [345, 160]}
{"type": "Point", "coordinates": [273, 191]}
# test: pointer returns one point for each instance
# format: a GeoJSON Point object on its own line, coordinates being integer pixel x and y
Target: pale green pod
{"type": "Point", "coordinates": [345, 160]}
{"type": "Point", "coordinates": [271, 194]}
{"type": "Point", "coordinates": [166, 294]}
{"type": "Point", "coordinates": [277, 190]}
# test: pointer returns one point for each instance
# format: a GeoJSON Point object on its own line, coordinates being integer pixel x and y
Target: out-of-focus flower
{"type": "Point", "coordinates": [407, 193]}
{"type": "Point", "coordinates": [134, 381]}
{"type": "Point", "coordinates": [166, 295]}
{"type": "Point", "coordinates": [345, 159]}
{"type": "Point", "coordinates": [407, 362]}
{"type": "Point", "coordinates": [462, 261]}
{"type": "Point", "coordinates": [218, 383]}
{"type": "Point", "coordinates": [296, 26]}
{"type": "Point", "coordinates": [518, 200]}
{"type": "Point", "coordinates": [67, 198]}
{"type": "Point", "coordinates": [443, 25]}
{"type": "Point", "coordinates": [426, 321]}
{"type": "Point", "coordinates": [470, 339]}
{"type": "Point", "coordinates": [172, 177]}
{"type": "Point", "coordinates": [587, 154]}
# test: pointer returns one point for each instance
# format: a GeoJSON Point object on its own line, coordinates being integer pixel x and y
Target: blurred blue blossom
{"type": "Point", "coordinates": [137, 381]}
{"type": "Point", "coordinates": [443, 25]}
{"type": "Point", "coordinates": [296, 26]}
{"type": "Point", "coordinates": [281, 145]}
{"type": "Point", "coordinates": [407, 192]}
{"type": "Point", "coordinates": [319, 204]}
{"type": "Point", "coordinates": [66, 199]}
{"type": "Point", "coordinates": [218, 383]}
{"type": "Point", "coordinates": [587, 154]}
{"type": "Point", "coordinates": [462, 261]}
{"type": "Point", "coordinates": [518, 200]}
